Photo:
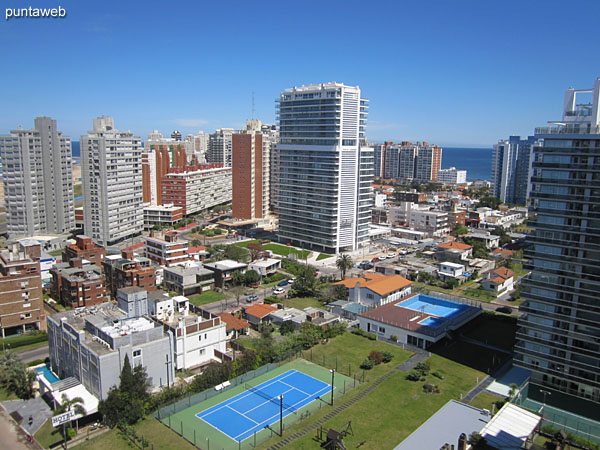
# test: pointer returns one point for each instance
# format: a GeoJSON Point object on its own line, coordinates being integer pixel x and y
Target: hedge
{"type": "Point", "coordinates": [24, 339]}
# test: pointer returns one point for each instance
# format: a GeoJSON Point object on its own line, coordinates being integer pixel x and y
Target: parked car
{"type": "Point", "coordinates": [391, 255]}
{"type": "Point", "coordinates": [278, 291]}
{"type": "Point", "coordinates": [283, 283]}
{"type": "Point", "coordinates": [504, 309]}
{"type": "Point", "coordinates": [291, 280]}
{"type": "Point", "coordinates": [251, 298]}
{"type": "Point", "coordinates": [375, 260]}
{"type": "Point", "coordinates": [254, 285]}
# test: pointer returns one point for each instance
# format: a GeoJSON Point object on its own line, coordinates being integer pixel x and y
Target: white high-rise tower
{"type": "Point", "coordinates": [38, 180]}
{"type": "Point", "coordinates": [324, 168]}
{"type": "Point", "coordinates": [112, 183]}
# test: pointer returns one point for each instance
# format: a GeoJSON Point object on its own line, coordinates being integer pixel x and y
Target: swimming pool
{"type": "Point", "coordinates": [434, 306]}
{"type": "Point", "coordinates": [432, 322]}
{"type": "Point", "coordinates": [48, 374]}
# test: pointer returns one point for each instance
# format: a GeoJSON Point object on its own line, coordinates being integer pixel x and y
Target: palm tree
{"type": "Point", "coordinates": [75, 404]}
{"type": "Point", "coordinates": [344, 263]}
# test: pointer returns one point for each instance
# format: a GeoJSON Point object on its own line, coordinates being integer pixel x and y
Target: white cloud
{"type": "Point", "coordinates": [190, 122]}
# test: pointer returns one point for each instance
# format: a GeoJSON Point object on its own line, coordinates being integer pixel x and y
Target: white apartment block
{"type": "Point", "coordinates": [112, 183]}
{"type": "Point", "coordinates": [199, 145]}
{"type": "Point", "coordinates": [199, 337]}
{"type": "Point", "coordinates": [434, 223]}
{"type": "Point", "coordinates": [198, 190]}
{"type": "Point", "coordinates": [324, 173]}
{"type": "Point", "coordinates": [220, 146]}
{"type": "Point", "coordinates": [452, 176]}
{"type": "Point", "coordinates": [38, 180]}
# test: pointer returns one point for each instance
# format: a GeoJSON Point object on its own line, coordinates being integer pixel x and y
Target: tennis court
{"type": "Point", "coordinates": [241, 416]}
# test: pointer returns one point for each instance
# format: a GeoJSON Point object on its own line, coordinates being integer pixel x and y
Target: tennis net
{"type": "Point", "coordinates": [275, 399]}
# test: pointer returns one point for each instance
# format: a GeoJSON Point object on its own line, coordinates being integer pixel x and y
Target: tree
{"type": "Point", "coordinates": [287, 327]}
{"type": "Point", "coordinates": [236, 253]}
{"type": "Point", "coordinates": [477, 441]}
{"type": "Point", "coordinates": [252, 277]}
{"type": "Point", "coordinates": [237, 278]}
{"type": "Point", "coordinates": [344, 263]}
{"type": "Point", "coordinates": [305, 284]}
{"type": "Point", "coordinates": [129, 402]}
{"type": "Point", "coordinates": [310, 334]}
{"type": "Point", "coordinates": [338, 292]}
{"type": "Point", "coordinates": [460, 230]}
{"type": "Point", "coordinates": [256, 249]}
{"type": "Point", "coordinates": [14, 376]}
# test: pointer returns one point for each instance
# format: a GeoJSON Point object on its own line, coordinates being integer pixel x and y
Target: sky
{"type": "Point", "coordinates": [453, 73]}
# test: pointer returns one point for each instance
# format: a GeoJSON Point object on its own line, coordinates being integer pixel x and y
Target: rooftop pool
{"type": "Point", "coordinates": [434, 306]}
{"type": "Point", "coordinates": [48, 374]}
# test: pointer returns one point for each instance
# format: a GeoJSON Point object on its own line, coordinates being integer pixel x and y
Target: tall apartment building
{"type": "Point", "coordinates": [197, 188]}
{"type": "Point", "coordinates": [128, 270]}
{"type": "Point", "coordinates": [251, 168]}
{"type": "Point", "coordinates": [166, 249]}
{"type": "Point", "coordinates": [322, 192]}
{"type": "Point", "coordinates": [112, 183]}
{"type": "Point", "coordinates": [220, 146]}
{"type": "Point", "coordinates": [78, 283]}
{"type": "Point", "coordinates": [158, 156]}
{"type": "Point", "coordinates": [199, 145]}
{"type": "Point", "coordinates": [379, 160]}
{"type": "Point", "coordinates": [511, 167]}
{"type": "Point", "coordinates": [428, 163]}
{"type": "Point", "coordinates": [409, 162]}
{"type": "Point", "coordinates": [38, 180]}
{"type": "Point", "coordinates": [21, 304]}
{"type": "Point", "coordinates": [558, 338]}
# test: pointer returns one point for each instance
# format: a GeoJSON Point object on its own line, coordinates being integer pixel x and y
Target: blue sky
{"type": "Point", "coordinates": [455, 73]}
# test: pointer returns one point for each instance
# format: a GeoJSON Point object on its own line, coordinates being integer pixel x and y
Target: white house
{"type": "Point", "coordinates": [265, 266]}
{"type": "Point", "coordinates": [450, 270]}
{"type": "Point", "coordinates": [375, 289]}
{"type": "Point", "coordinates": [198, 336]}
{"type": "Point", "coordinates": [498, 280]}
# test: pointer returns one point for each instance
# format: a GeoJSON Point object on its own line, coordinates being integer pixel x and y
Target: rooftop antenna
{"type": "Point", "coordinates": [252, 105]}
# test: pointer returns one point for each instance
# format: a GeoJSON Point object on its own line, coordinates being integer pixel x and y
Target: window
{"type": "Point", "coordinates": [205, 336]}
{"type": "Point", "coordinates": [381, 330]}
{"type": "Point", "coordinates": [137, 353]}
{"type": "Point", "coordinates": [200, 337]}
{"type": "Point", "coordinates": [202, 351]}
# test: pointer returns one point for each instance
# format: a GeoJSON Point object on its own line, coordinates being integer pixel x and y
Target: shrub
{"type": "Point", "coordinates": [429, 388]}
{"type": "Point", "coordinates": [376, 357]}
{"type": "Point", "coordinates": [423, 367]}
{"type": "Point", "coordinates": [367, 364]}
{"type": "Point", "coordinates": [272, 299]}
{"type": "Point", "coordinates": [394, 338]}
{"type": "Point", "coordinates": [413, 375]}
{"type": "Point", "coordinates": [358, 331]}
{"type": "Point", "coordinates": [372, 336]}
{"type": "Point", "coordinates": [438, 374]}
{"type": "Point", "coordinates": [387, 356]}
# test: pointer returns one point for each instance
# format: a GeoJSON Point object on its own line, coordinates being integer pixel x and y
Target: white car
{"type": "Point", "coordinates": [391, 255]}
{"type": "Point", "coordinates": [278, 291]}
{"type": "Point", "coordinates": [382, 257]}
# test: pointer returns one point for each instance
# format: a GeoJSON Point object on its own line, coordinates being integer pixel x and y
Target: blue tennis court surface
{"type": "Point", "coordinates": [434, 306]}
{"type": "Point", "coordinates": [241, 416]}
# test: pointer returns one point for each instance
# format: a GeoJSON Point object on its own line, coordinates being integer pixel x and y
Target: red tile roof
{"type": "Point", "coordinates": [455, 245]}
{"type": "Point", "coordinates": [504, 272]}
{"type": "Point", "coordinates": [233, 322]}
{"type": "Point", "coordinates": [196, 249]}
{"type": "Point", "coordinates": [503, 251]}
{"type": "Point", "coordinates": [260, 311]}
{"type": "Point", "coordinates": [380, 284]}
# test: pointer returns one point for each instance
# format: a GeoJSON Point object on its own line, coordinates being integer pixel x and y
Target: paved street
{"type": "Point", "coordinates": [34, 354]}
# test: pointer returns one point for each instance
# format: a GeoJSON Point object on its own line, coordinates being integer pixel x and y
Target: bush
{"type": "Point", "coordinates": [272, 299]}
{"type": "Point", "coordinates": [387, 356]}
{"type": "Point", "coordinates": [423, 367]}
{"type": "Point", "coordinates": [394, 338]}
{"type": "Point", "coordinates": [376, 357]}
{"type": "Point", "coordinates": [24, 339]}
{"type": "Point", "coordinates": [438, 374]}
{"type": "Point", "coordinates": [367, 364]}
{"type": "Point", "coordinates": [413, 375]}
{"type": "Point", "coordinates": [358, 331]}
{"type": "Point", "coordinates": [372, 336]}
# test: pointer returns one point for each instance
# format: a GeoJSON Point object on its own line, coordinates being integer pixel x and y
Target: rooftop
{"type": "Point", "coordinates": [380, 284]}
{"type": "Point", "coordinates": [260, 310]}
{"type": "Point", "coordinates": [454, 246]}
{"type": "Point", "coordinates": [445, 426]}
{"type": "Point", "coordinates": [510, 427]}
{"type": "Point", "coordinates": [233, 322]}
{"type": "Point", "coordinates": [226, 264]}
{"type": "Point", "coordinates": [266, 262]}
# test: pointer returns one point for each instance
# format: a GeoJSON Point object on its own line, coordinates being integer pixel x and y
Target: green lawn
{"type": "Point", "coordinates": [493, 329]}
{"type": "Point", "coordinates": [245, 243]}
{"type": "Point", "coordinates": [206, 297]}
{"type": "Point", "coordinates": [286, 250]}
{"type": "Point", "coordinates": [323, 256]}
{"type": "Point", "coordinates": [346, 352]}
{"type": "Point", "coordinates": [302, 302]}
{"type": "Point", "coordinates": [55, 252]}
{"type": "Point", "coordinates": [159, 436]}
{"type": "Point", "coordinates": [517, 268]}
{"type": "Point", "coordinates": [48, 435]}
{"type": "Point", "coordinates": [486, 400]}
{"type": "Point", "coordinates": [392, 411]}
{"type": "Point", "coordinates": [6, 396]}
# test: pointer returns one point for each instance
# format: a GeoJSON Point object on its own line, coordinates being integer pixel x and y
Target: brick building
{"type": "Point", "coordinates": [21, 289]}
{"type": "Point", "coordinates": [84, 248]}
{"type": "Point", "coordinates": [76, 284]}
{"type": "Point", "coordinates": [127, 270]}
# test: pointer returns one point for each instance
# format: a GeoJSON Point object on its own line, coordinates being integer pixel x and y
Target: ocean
{"type": "Point", "coordinates": [476, 161]}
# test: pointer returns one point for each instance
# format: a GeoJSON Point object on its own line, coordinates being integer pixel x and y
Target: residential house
{"type": "Point", "coordinates": [259, 313]}
{"type": "Point", "coordinates": [128, 270]}
{"type": "Point", "coordinates": [498, 280]}
{"type": "Point", "coordinates": [454, 252]}
{"type": "Point", "coordinates": [236, 326]}
{"type": "Point", "coordinates": [188, 279]}
{"type": "Point", "coordinates": [76, 284]}
{"type": "Point", "coordinates": [451, 270]}
{"type": "Point", "coordinates": [224, 271]}
{"type": "Point", "coordinates": [375, 289]}
{"type": "Point", "coordinates": [265, 266]}
{"type": "Point", "coordinates": [491, 241]}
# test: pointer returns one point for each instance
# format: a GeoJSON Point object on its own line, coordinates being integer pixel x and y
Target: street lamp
{"type": "Point", "coordinates": [545, 394]}
{"type": "Point", "coordinates": [332, 380]}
